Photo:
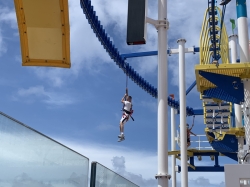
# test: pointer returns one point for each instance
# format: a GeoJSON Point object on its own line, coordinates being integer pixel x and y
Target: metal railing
{"type": "Point", "coordinates": [200, 142]}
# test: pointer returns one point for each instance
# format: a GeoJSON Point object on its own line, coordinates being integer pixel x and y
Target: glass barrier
{"type": "Point", "coordinates": [31, 159]}
{"type": "Point", "coordinates": [104, 177]}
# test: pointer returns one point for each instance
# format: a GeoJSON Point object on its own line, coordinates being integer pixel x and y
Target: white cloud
{"type": "Point", "coordinates": [3, 47]}
{"type": "Point", "coordinates": [149, 105]}
{"type": "Point", "coordinates": [49, 97]}
{"type": "Point", "coordinates": [206, 182]}
{"type": "Point", "coordinates": [7, 17]}
{"type": "Point", "coordinates": [57, 77]}
{"type": "Point", "coordinates": [120, 168]}
{"type": "Point", "coordinates": [102, 153]}
{"type": "Point", "coordinates": [105, 127]}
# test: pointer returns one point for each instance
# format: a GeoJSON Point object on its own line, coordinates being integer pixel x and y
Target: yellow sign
{"type": "Point", "coordinates": [44, 32]}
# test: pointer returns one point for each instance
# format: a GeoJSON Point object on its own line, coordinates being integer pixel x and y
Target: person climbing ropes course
{"type": "Point", "coordinates": [189, 132]}
{"type": "Point", "coordinates": [127, 112]}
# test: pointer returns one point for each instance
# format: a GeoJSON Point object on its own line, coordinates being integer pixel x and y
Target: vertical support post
{"type": "Point", "coordinates": [216, 160]}
{"type": "Point", "coordinates": [192, 160]}
{"type": "Point", "coordinates": [173, 146]}
{"type": "Point", "coordinates": [237, 108]}
{"type": "Point", "coordinates": [233, 45]}
{"type": "Point", "coordinates": [243, 30]}
{"type": "Point", "coordinates": [183, 124]}
{"type": "Point", "coordinates": [162, 175]}
{"type": "Point", "coordinates": [241, 7]}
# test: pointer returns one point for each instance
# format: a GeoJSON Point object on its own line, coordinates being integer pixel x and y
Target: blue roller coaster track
{"type": "Point", "coordinates": [113, 52]}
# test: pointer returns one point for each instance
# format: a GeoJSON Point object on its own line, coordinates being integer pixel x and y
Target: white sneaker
{"type": "Point", "coordinates": [121, 139]}
{"type": "Point", "coordinates": [121, 136]}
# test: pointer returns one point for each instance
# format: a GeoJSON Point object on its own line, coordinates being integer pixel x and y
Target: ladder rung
{"type": "Point", "coordinates": [216, 107]}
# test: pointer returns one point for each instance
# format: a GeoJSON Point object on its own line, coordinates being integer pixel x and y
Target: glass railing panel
{"type": "Point", "coordinates": [104, 177]}
{"type": "Point", "coordinates": [29, 158]}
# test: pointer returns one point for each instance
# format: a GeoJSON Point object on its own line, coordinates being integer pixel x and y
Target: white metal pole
{"type": "Point", "coordinates": [244, 57]}
{"type": "Point", "coordinates": [233, 45]}
{"type": "Point", "coordinates": [183, 124]}
{"type": "Point", "coordinates": [237, 108]}
{"type": "Point", "coordinates": [162, 175]}
{"type": "Point", "coordinates": [173, 146]}
{"type": "Point", "coordinates": [249, 48]}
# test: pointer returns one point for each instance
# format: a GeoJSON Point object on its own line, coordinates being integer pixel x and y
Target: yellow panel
{"type": "Point", "coordinates": [237, 131]}
{"type": "Point", "coordinates": [44, 32]}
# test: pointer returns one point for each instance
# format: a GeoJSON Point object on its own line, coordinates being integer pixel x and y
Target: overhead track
{"type": "Point", "coordinates": [118, 59]}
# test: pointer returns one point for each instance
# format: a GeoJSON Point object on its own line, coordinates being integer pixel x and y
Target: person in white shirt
{"type": "Point", "coordinates": [127, 101]}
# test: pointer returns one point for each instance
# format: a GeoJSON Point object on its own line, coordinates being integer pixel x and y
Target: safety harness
{"type": "Point", "coordinates": [128, 112]}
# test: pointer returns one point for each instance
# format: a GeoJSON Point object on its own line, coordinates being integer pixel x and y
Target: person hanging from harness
{"type": "Point", "coordinates": [189, 132]}
{"type": "Point", "coordinates": [127, 113]}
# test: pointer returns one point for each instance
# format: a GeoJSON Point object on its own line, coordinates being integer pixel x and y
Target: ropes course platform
{"type": "Point", "coordinates": [226, 141]}
{"type": "Point", "coordinates": [241, 70]}
{"type": "Point", "coordinates": [213, 154]}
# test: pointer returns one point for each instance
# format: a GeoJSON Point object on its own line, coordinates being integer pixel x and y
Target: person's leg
{"type": "Point", "coordinates": [122, 128]}
{"type": "Point", "coordinates": [122, 121]}
{"type": "Point", "coordinates": [188, 142]}
{"type": "Point", "coordinates": [125, 119]}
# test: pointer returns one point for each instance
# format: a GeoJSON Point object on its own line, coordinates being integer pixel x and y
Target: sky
{"type": "Point", "coordinates": [80, 107]}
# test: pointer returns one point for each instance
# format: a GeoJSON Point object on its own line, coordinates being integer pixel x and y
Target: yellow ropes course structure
{"type": "Point", "coordinates": [206, 38]}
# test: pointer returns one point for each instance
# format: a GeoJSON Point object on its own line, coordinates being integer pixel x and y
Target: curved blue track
{"type": "Point", "coordinates": [118, 59]}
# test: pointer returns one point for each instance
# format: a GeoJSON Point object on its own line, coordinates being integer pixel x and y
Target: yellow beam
{"type": "Point", "coordinates": [193, 167]}
{"type": "Point", "coordinates": [44, 32]}
{"type": "Point", "coordinates": [237, 131]}
{"type": "Point", "coordinates": [190, 152]}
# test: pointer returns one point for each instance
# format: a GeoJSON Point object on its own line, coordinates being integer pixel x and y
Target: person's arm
{"type": "Point", "coordinates": [123, 99]}
{"type": "Point", "coordinates": [191, 127]}
{"type": "Point", "coordinates": [193, 133]}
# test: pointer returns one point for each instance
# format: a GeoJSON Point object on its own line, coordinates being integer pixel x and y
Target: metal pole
{"type": "Point", "coordinates": [199, 143]}
{"type": "Point", "coordinates": [162, 175]}
{"type": "Point", "coordinates": [173, 146]}
{"type": "Point", "coordinates": [233, 46]}
{"type": "Point", "coordinates": [241, 7]}
{"type": "Point", "coordinates": [237, 108]}
{"type": "Point", "coordinates": [183, 125]}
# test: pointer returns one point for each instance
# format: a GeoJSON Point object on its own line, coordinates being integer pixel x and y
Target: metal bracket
{"type": "Point", "coordinates": [158, 23]}
{"type": "Point", "coordinates": [162, 176]}
{"type": "Point", "coordinates": [170, 51]}
{"type": "Point", "coordinates": [247, 111]}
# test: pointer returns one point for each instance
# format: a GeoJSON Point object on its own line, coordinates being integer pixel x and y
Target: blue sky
{"type": "Point", "coordinates": [80, 107]}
